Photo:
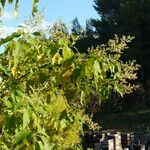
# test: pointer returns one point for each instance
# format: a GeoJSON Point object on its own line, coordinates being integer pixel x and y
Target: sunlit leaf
{"type": "Point", "coordinates": [9, 38]}
{"type": "Point", "coordinates": [26, 118]}
{"type": "Point", "coordinates": [21, 136]}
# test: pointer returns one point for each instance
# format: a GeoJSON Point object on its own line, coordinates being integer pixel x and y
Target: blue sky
{"type": "Point", "coordinates": [67, 10]}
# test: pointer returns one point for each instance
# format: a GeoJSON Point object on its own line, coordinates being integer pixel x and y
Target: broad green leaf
{"type": "Point", "coordinates": [63, 124]}
{"type": "Point", "coordinates": [87, 71]}
{"type": "Point", "coordinates": [8, 104]}
{"type": "Point", "coordinates": [10, 38]}
{"type": "Point", "coordinates": [119, 89]}
{"type": "Point", "coordinates": [46, 143]}
{"type": "Point", "coordinates": [3, 146]}
{"type": "Point", "coordinates": [10, 124]}
{"type": "Point", "coordinates": [57, 59]}
{"type": "Point", "coordinates": [26, 118]}
{"type": "Point", "coordinates": [67, 53]}
{"type": "Point", "coordinates": [41, 146]}
{"type": "Point", "coordinates": [36, 33]}
{"type": "Point", "coordinates": [76, 74]}
{"type": "Point", "coordinates": [21, 136]}
{"type": "Point", "coordinates": [43, 77]}
{"type": "Point", "coordinates": [97, 68]}
{"type": "Point", "coordinates": [63, 114]}
{"type": "Point", "coordinates": [5, 70]}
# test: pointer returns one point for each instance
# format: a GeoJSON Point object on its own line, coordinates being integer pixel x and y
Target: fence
{"type": "Point", "coordinates": [115, 141]}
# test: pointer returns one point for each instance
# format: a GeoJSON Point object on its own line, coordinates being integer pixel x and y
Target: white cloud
{"type": "Point", "coordinates": [7, 15]}
{"type": "Point", "coordinates": [46, 24]}
{"type": "Point", "coordinates": [41, 26]}
{"type": "Point", "coordinates": [7, 30]}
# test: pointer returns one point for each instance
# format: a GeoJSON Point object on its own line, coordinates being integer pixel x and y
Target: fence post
{"type": "Point", "coordinates": [118, 145]}
{"type": "Point", "coordinates": [111, 144]}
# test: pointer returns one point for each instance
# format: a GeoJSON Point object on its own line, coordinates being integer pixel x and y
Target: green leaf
{"type": "Point", "coordinates": [87, 71]}
{"type": "Point", "coordinates": [75, 74]}
{"type": "Point", "coordinates": [67, 53]}
{"type": "Point", "coordinates": [8, 104]}
{"type": "Point", "coordinates": [63, 124]}
{"type": "Point", "coordinates": [16, 8]}
{"type": "Point", "coordinates": [63, 114]}
{"type": "Point", "coordinates": [21, 136]}
{"type": "Point", "coordinates": [43, 77]}
{"type": "Point", "coordinates": [3, 146]}
{"type": "Point", "coordinates": [5, 70]}
{"type": "Point", "coordinates": [46, 143]}
{"type": "Point", "coordinates": [41, 146]}
{"type": "Point", "coordinates": [97, 68]}
{"type": "Point", "coordinates": [82, 97]}
{"type": "Point", "coordinates": [36, 33]}
{"type": "Point", "coordinates": [3, 3]}
{"type": "Point", "coordinates": [119, 89]}
{"type": "Point", "coordinates": [10, 1]}
{"type": "Point", "coordinates": [11, 123]}
{"type": "Point", "coordinates": [53, 50]}
{"type": "Point", "coordinates": [9, 38]}
{"type": "Point", "coordinates": [35, 7]}
{"type": "Point", "coordinates": [26, 119]}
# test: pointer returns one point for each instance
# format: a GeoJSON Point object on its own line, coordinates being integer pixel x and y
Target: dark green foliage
{"type": "Point", "coordinates": [76, 27]}
{"type": "Point", "coordinates": [127, 17]}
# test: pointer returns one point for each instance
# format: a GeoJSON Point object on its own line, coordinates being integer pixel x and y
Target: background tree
{"type": "Point", "coordinates": [76, 28]}
{"type": "Point", "coordinates": [126, 17]}
{"type": "Point", "coordinates": [86, 34]}
{"type": "Point", "coordinates": [89, 28]}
